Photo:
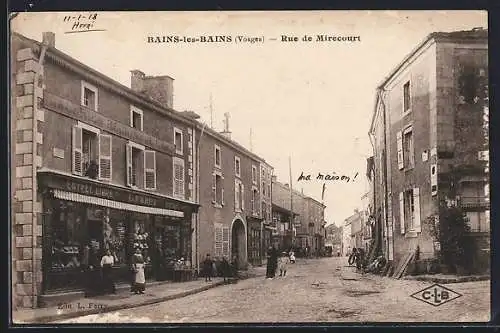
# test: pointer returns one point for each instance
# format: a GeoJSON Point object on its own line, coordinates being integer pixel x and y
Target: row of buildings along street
{"type": "Point", "coordinates": [426, 208]}
{"type": "Point", "coordinates": [97, 165]}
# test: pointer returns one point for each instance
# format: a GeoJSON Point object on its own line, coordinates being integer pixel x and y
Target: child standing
{"type": "Point", "coordinates": [284, 260]}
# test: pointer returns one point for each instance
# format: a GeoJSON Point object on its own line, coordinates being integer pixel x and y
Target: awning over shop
{"type": "Point", "coordinates": [76, 197]}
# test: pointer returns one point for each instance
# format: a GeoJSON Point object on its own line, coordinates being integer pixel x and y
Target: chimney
{"type": "Point", "coordinates": [226, 131]}
{"type": "Point", "coordinates": [49, 38]}
{"type": "Point", "coordinates": [137, 80]}
{"type": "Point", "coordinates": [158, 88]}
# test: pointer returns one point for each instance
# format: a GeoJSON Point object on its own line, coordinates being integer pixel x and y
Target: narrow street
{"type": "Point", "coordinates": [314, 290]}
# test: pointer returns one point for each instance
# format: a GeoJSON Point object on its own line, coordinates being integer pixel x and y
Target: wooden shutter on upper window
{"type": "Point", "coordinates": [150, 169]}
{"type": "Point", "coordinates": [214, 188]}
{"type": "Point", "coordinates": [218, 240]}
{"type": "Point", "coordinates": [222, 191]}
{"type": "Point", "coordinates": [242, 197]}
{"type": "Point", "coordinates": [128, 161]}
{"type": "Point", "coordinates": [178, 177]}
{"type": "Point", "coordinates": [77, 154]}
{"type": "Point", "coordinates": [105, 157]}
{"type": "Point", "coordinates": [399, 137]}
{"type": "Point", "coordinates": [402, 212]}
{"type": "Point", "coordinates": [416, 202]}
{"type": "Point", "coordinates": [236, 195]}
{"type": "Point", "coordinates": [225, 241]}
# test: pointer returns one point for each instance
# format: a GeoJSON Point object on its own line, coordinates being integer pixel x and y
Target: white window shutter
{"type": "Point", "coordinates": [179, 188]}
{"type": "Point", "coordinates": [225, 241]}
{"type": "Point", "coordinates": [402, 212]}
{"type": "Point", "coordinates": [105, 157]}
{"type": "Point", "coordinates": [416, 203]}
{"type": "Point", "coordinates": [236, 195]}
{"type": "Point", "coordinates": [399, 137]}
{"type": "Point", "coordinates": [412, 150]}
{"type": "Point", "coordinates": [128, 157]}
{"type": "Point", "coordinates": [222, 195]}
{"type": "Point", "coordinates": [434, 183]}
{"type": "Point", "coordinates": [242, 197]}
{"type": "Point", "coordinates": [150, 169]}
{"type": "Point", "coordinates": [77, 165]}
{"type": "Point", "coordinates": [218, 241]}
{"type": "Point", "coordinates": [214, 188]}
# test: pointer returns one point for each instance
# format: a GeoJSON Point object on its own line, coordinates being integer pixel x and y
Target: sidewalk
{"type": "Point", "coordinates": [446, 278]}
{"type": "Point", "coordinates": [156, 292]}
{"type": "Point", "coordinates": [123, 299]}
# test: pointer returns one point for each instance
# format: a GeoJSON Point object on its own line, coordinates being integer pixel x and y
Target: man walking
{"type": "Point", "coordinates": [208, 268]}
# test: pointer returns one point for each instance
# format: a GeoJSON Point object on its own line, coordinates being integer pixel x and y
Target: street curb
{"type": "Point", "coordinates": [69, 315]}
{"type": "Point", "coordinates": [449, 280]}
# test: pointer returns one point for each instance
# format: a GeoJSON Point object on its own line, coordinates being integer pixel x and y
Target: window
{"type": "Point", "coordinates": [178, 141]}
{"type": "Point", "coordinates": [237, 166]}
{"type": "Point", "coordinates": [409, 206]}
{"type": "Point", "coordinates": [406, 97]}
{"type": "Point", "coordinates": [254, 174]}
{"type": "Point", "coordinates": [89, 96]}
{"type": "Point", "coordinates": [91, 152]}
{"type": "Point", "coordinates": [179, 188]}
{"type": "Point", "coordinates": [239, 196]}
{"type": "Point", "coordinates": [136, 118]}
{"type": "Point", "coordinates": [218, 163]}
{"type": "Point", "coordinates": [150, 170]}
{"type": "Point", "coordinates": [269, 190]}
{"type": "Point", "coordinates": [478, 221]}
{"type": "Point", "coordinates": [264, 210]}
{"type": "Point", "coordinates": [255, 201]}
{"type": "Point", "coordinates": [405, 148]}
{"type": "Point", "coordinates": [218, 189]}
{"type": "Point", "coordinates": [263, 188]}
{"type": "Point", "coordinates": [134, 155]}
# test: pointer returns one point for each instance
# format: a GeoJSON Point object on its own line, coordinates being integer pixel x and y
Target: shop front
{"type": "Point", "coordinates": [254, 241]}
{"type": "Point", "coordinates": [83, 219]}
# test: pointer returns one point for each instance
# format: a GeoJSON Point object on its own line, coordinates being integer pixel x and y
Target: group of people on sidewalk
{"type": "Point", "coordinates": [222, 268]}
{"type": "Point", "coordinates": [100, 281]}
{"type": "Point", "coordinates": [276, 262]}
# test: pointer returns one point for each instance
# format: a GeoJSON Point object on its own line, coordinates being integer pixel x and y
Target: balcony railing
{"type": "Point", "coordinates": [474, 202]}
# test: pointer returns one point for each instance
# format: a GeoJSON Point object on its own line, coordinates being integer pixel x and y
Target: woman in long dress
{"type": "Point", "coordinates": [139, 282]}
{"type": "Point", "coordinates": [107, 263]}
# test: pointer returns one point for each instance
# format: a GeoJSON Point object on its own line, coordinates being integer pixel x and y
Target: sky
{"type": "Point", "coordinates": [311, 102]}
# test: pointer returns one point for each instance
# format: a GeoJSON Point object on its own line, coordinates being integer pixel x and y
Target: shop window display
{"type": "Point", "coordinates": [66, 237]}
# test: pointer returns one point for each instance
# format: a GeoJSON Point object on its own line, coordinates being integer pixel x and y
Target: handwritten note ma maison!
{"type": "Point", "coordinates": [327, 177]}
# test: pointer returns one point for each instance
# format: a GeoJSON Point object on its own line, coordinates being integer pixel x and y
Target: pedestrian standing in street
{"type": "Point", "coordinates": [107, 263]}
{"type": "Point", "coordinates": [139, 281]}
{"type": "Point", "coordinates": [284, 260]}
{"type": "Point", "coordinates": [269, 267]}
{"type": "Point", "coordinates": [208, 267]}
{"type": "Point", "coordinates": [292, 257]}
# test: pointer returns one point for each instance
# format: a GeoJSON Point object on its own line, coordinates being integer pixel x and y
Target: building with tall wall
{"type": "Point", "coordinates": [430, 147]}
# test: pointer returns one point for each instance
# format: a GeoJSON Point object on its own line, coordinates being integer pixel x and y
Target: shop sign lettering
{"type": "Point", "coordinates": [69, 109]}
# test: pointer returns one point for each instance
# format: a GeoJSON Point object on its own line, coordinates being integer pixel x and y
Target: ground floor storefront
{"type": "Point", "coordinates": [254, 238]}
{"type": "Point", "coordinates": [83, 220]}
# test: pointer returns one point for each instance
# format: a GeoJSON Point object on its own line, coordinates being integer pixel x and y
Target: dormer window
{"type": "Point", "coordinates": [136, 118]}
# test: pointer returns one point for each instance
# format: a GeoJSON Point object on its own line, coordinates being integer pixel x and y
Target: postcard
{"type": "Point", "coordinates": [249, 167]}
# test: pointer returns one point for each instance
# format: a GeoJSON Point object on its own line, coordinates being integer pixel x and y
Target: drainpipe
{"type": "Point", "coordinates": [34, 150]}
{"type": "Point", "coordinates": [386, 214]}
{"type": "Point", "coordinates": [197, 222]}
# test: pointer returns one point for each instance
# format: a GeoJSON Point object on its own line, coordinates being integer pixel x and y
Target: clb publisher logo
{"type": "Point", "coordinates": [436, 295]}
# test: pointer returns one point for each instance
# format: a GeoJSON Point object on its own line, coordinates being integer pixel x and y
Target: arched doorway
{"type": "Point", "coordinates": [238, 242]}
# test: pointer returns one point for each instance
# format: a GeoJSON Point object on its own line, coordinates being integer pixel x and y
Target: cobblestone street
{"type": "Point", "coordinates": [315, 290]}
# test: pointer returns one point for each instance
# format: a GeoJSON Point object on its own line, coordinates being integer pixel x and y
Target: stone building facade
{"type": "Point", "coordinates": [428, 137]}
{"type": "Point", "coordinates": [96, 166]}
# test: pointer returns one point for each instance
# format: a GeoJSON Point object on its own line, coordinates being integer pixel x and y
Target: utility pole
{"type": "Point", "coordinates": [251, 140]}
{"type": "Point", "coordinates": [290, 227]}
{"type": "Point", "coordinates": [211, 112]}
